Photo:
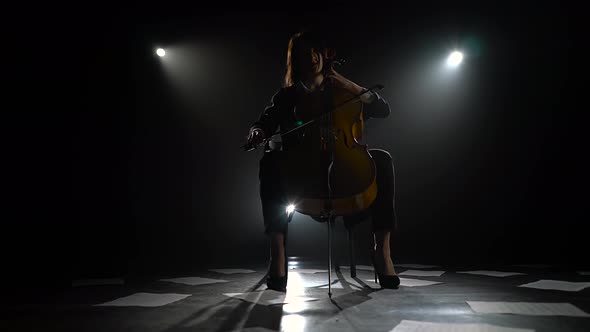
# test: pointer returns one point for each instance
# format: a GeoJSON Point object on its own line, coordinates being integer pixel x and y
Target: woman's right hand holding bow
{"type": "Point", "coordinates": [255, 137]}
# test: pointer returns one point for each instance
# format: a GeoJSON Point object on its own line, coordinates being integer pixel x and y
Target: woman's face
{"type": "Point", "coordinates": [312, 62]}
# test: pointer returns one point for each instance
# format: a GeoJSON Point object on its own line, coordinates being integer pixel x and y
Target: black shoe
{"type": "Point", "coordinates": [278, 284]}
{"type": "Point", "coordinates": [390, 282]}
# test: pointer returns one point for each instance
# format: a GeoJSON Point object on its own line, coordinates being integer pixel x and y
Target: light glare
{"type": "Point", "coordinates": [160, 52]}
{"type": "Point", "coordinates": [455, 59]}
{"type": "Point", "coordinates": [290, 208]}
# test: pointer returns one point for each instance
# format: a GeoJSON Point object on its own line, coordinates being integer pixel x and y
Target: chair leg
{"type": "Point", "coordinates": [351, 252]}
{"type": "Point", "coordinates": [330, 257]}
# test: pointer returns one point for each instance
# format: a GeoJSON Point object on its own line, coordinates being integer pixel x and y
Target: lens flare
{"type": "Point", "coordinates": [290, 208]}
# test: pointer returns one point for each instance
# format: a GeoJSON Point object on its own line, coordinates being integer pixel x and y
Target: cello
{"type": "Point", "coordinates": [329, 173]}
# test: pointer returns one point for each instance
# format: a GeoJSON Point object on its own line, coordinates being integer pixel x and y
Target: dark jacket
{"type": "Point", "coordinates": [280, 113]}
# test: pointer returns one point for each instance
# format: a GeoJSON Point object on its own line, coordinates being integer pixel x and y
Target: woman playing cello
{"type": "Point", "coordinates": [308, 73]}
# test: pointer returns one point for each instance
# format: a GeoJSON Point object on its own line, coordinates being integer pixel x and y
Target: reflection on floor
{"type": "Point", "coordinates": [430, 298]}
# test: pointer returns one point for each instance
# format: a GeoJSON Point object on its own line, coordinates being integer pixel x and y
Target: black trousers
{"type": "Point", "coordinates": [274, 203]}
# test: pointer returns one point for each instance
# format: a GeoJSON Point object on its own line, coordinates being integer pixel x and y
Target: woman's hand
{"type": "Point", "coordinates": [342, 82]}
{"type": "Point", "coordinates": [337, 80]}
{"type": "Point", "coordinates": [255, 137]}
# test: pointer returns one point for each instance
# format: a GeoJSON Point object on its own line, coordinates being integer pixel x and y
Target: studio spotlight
{"type": "Point", "coordinates": [455, 59]}
{"type": "Point", "coordinates": [160, 52]}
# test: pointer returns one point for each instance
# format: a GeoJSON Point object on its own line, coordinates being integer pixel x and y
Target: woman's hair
{"type": "Point", "coordinates": [300, 43]}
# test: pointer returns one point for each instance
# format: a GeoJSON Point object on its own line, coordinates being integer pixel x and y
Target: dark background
{"type": "Point", "coordinates": [119, 162]}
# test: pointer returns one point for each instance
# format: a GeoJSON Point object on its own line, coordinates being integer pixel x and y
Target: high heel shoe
{"type": "Point", "coordinates": [278, 284]}
{"type": "Point", "coordinates": [390, 282]}
{"type": "Point", "coordinates": [275, 282]}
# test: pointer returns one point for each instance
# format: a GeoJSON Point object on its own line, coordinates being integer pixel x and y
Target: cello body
{"type": "Point", "coordinates": [329, 172]}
